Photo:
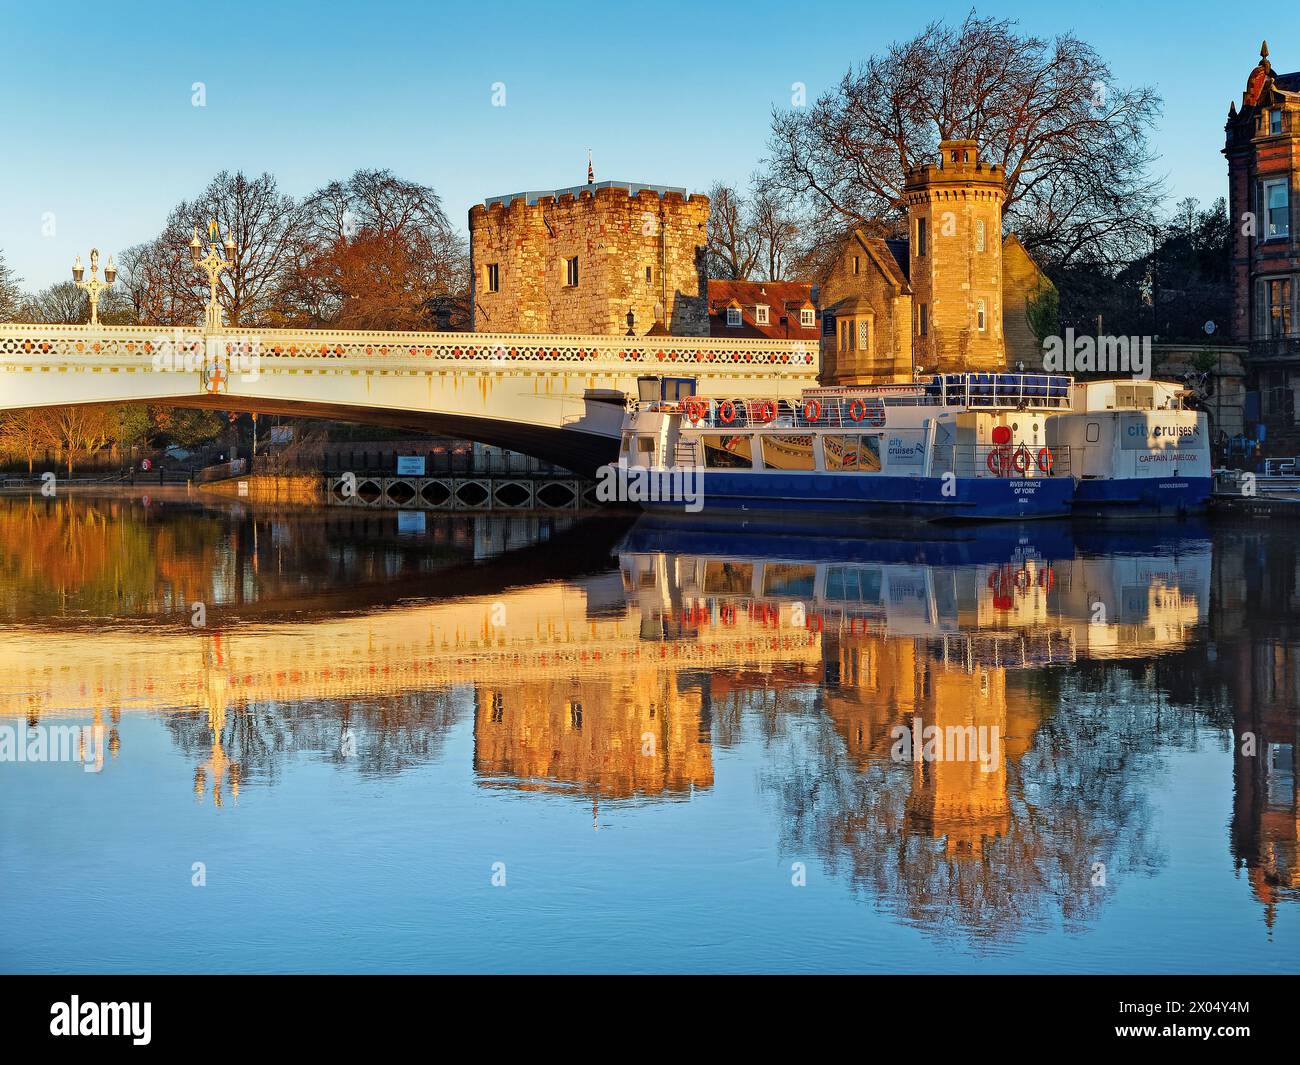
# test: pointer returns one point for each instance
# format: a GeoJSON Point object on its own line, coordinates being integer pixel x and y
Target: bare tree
{"type": "Point", "coordinates": [62, 303]}
{"type": "Point", "coordinates": [733, 242]}
{"type": "Point", "coordinates": [10, 294]}
{"type": "Point", "coordinates": [27, 434]}
{"type": "Point", "coordinates": [265, 225]}
{"type": "Point", "coordinates": [1072, 143]}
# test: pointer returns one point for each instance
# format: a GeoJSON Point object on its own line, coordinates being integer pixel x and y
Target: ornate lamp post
{"type": "Point", "coordinates": [93, 287]}
{"type": "Point", "coordinates": [213, 262]}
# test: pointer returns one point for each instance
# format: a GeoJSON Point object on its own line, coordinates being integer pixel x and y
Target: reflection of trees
{"type": "Point", "coordinates": [1077, 796]}
{"type": "Point", "coordinates": [373, 735]}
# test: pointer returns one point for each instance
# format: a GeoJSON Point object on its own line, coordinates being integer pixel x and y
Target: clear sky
{"type": "Point", "coordinates": [99, 129]}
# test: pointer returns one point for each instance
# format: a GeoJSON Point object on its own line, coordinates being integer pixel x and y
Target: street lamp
{"type": "Point", "coordinates": [213, 262]}
{"type": "Point", "coordinates": [94, 285]}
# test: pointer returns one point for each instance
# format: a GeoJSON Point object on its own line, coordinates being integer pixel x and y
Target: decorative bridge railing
{"type": "Point", "coordinates": [476, 349]}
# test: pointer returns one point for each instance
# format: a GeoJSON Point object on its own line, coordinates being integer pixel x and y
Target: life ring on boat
{"type": "Point", "coordinates": [727, 411]}
{"type": "Point", "coordinates": [1046, 578]}
{"type": "Point", "coordinates": [1020, 459]}
{"type": "Point", "coordinates": [857, 410]}
{"type": "Point", "coordinates": [812, 411]}
{"type": "Point", "coordinates": [763, 411]}
{"type": "Point", "coordinates": [695, 410]}
{"type": "Point", "coordinates": [1045, 459]}
{"type": "Point", "coordinates": [999, 460]}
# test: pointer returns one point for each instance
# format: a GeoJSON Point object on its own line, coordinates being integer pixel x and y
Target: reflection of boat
{"type": "Point", "coordinates": [953, 447]}
{"type": "Point", "coordinates": [1031, 599]}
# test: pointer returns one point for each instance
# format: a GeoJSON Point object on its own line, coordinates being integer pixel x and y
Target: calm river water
{"type": "Point", "coordinates": [329, 742]}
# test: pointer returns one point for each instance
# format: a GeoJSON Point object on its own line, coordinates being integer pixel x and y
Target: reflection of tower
{"type": "Point", "coordinates": [1266, 800]}
{"type": "Point", "coordinates": [218, 768]}
{"type": "Point", "coordinates": [955, 793]}
{"type": "Point", "coordinates": [610, 736]}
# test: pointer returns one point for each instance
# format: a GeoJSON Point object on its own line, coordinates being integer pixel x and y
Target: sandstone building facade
{"type": "Point", "coordinates": [954, 296]}
{"type": "Point", "coordinates": [606, 259]}
{"type": "Point", "coordinates": [1262, 146]}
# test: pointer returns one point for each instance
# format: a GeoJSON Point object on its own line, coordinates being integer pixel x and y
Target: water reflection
{"type": "Point", "coordinates": [604, 665]}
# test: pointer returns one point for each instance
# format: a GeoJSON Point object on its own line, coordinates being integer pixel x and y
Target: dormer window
{"type": "Point", "coordinates": [807, 318]}
{"type": "Point", "coordinates": [760, 314]}
{"type": "Point", "coordinates": [733, 317]}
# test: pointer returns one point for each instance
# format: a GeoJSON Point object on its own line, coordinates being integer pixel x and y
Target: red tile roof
{"type": "Point", "coordinates": [784, 299]}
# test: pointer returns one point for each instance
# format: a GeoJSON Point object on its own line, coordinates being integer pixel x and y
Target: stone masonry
{"type": "Point", "coordinates": [638, 249]}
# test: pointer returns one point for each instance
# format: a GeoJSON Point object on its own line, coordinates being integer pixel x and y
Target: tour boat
{"type": "Point", "coordinates": [952, 447]}
{"type": "Point", "coordinates": [1136, 449]}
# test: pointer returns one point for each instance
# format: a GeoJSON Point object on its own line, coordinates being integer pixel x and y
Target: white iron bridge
{"type": "Point", "coordinates": [559, 398]}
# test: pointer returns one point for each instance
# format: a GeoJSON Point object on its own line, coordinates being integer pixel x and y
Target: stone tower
{"type": "Point", "coordinates": [601, 259]}
{"type": "Point", "coordinates": [954, 211]}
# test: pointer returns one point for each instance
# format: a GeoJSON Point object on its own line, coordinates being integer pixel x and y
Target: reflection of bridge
{"type": "Point", "coordinates": [556, 397]}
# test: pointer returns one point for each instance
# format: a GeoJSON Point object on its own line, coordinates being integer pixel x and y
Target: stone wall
{"type": "Point", "coordinates": [643, 253]}
{"type": "Point", "coordinates": [1227, 400]}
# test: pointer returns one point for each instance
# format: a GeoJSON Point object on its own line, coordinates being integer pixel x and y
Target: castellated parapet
{"type": "Point", "coordinates": [954, 212]}
{"type": "Point", "coordinates": [579, 260]}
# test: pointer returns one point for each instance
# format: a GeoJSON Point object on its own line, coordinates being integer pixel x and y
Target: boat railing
{"type": "Point", "coordinates": [1011, 461]}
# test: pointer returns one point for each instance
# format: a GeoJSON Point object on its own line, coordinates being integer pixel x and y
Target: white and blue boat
{"type": "Point", "coordinates": [1136, 449]}
{"type": "Point", "coordinates": [953, 447]}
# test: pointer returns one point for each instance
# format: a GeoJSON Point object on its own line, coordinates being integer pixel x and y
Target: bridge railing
{"type": "Point", "coordinates": [676, 354]}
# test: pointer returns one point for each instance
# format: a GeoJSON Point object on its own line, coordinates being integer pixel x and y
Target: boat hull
{"type": "Point", "coordinates": [1141, 497]}
{"type": "Point", "coordinates": [818, 496]}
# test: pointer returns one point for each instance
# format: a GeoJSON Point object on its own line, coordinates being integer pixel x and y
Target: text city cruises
{"type": "Point", "coordinates": [954, 447]}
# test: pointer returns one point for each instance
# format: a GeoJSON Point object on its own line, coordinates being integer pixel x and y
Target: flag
{"type": "Point", "coordinates": [591, 174]}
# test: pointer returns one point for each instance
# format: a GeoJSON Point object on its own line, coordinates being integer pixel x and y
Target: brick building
{"type": "Point", "coordinates": [1262, 145]}
{"type": "Point", "coordinates": [607, 258]}
{"type": "Point", "coordinates": [953, 296]}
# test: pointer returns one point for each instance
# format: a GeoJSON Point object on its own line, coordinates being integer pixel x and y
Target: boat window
{"type": "Point", "coordinates": [1093, 433]}
{"type": "Point", "coordinates": [728, 578]}
{"type": "Point", "coordinates": [788, 452]}
{"type": "Point", "coordinates": [849, 452]}
{"type": "Point", "coordinates": [645, 446]}
{"type": "Point", "coordinates": [728, 451]}
{"type": "Point", "coordinates": [788, 578]}
{"type": "Point", "coordinates": [627, 443]}
{"type": "Point", "coordinates": [853, 584]}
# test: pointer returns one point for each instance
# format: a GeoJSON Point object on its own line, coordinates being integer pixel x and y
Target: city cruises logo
{"type": "Point", "coordinates": [82, 744]}
{"type": "Point", "coordinates": [1101, 354]}
{"type": "Point", "coordinates": [950, 743]}
{"type": "Point", "coordinates": [641, 484]}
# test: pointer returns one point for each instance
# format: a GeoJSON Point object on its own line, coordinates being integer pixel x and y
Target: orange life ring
{"type": "Point", "coordinates": [998, 461]}
{"type": "Point", "coordinates": [1046, 578]}
{"type": "Point", "coordinates": [727, 411]}
{"type": "Point", "coordinates": [1020, 459]}
{"type": "Point", "coordinates": [857, 410]}
{"type": "Point", "coordinates": [764, 411]}
{"type": "Point", "coordinates": [1045, 459]}
{"type": "Point", "coordinates": [694, 410]}
{"type": "Point", "coordinates": [812, 411]}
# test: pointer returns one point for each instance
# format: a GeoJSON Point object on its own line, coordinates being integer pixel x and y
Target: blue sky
{"type": "Point", "coordinates": [99, 128]}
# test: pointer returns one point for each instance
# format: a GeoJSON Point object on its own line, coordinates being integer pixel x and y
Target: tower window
{"type": "Point", "coordinates": [571, 272]}
{"type": "Point", "coordinates": [922, 323]}
{"type": "Point", "coordinates": [1277, 209]}
{"type": "Point", "coordinates": [979, 234]}
{"type": "Point", "coordinates": [857, 264]}
{"type": "Point", "coordinates": [649, 275]}
{"type": "Point", "coordinates": [761, 314]}
{"type": "Point", "coordinates": [492, 277]}
{"type": "Point", "coordinates": [920, 236]}
{"type": "Point", "coordinates": [980, 315]}
{"type": "Point", "coordinates": [733, 317]}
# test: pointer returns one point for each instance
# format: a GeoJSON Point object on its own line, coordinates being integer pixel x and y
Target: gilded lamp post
{"type": "Point", "coordinates": [213, 262]}
{"type": "Point", "coordinates": [93, 287]}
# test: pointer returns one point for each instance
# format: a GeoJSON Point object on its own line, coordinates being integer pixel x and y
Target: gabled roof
{"type": "Point", "coordinates": [782, 298]}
